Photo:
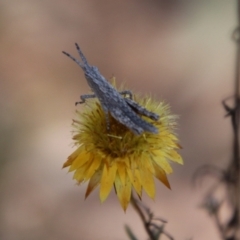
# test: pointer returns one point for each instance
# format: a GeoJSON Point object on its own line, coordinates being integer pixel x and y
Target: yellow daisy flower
{"type": "Point", "coordinates": [117, 157]}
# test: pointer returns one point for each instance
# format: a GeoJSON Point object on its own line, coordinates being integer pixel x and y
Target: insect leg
{"type": "Point", "coordinates": [84, 97]}
{"type": "Point", "coordinates": [127, 92]}
{"type": "Point", "coordinates": [105, 110]}
{"type": "Point", "coordinates": [128, 118]}
{"type": "Point", "coordinates": [141, 110]}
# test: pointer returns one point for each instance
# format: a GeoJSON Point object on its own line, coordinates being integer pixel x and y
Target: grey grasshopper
{"type": "Point", "coordinates": [124, 110]}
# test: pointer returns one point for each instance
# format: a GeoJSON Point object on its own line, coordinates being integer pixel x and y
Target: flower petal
{"type": "Point", "coordinates": [161, 175]}
{"type": "Point", "coordinates": [147, 163]}
{"type": "Point", "coordinates": [107, 181]}
{"type": "Point", "coordinates": [123, 191]}
{"type": "Point", "coordinates": [93, 167]}
{"type": "Point", "coordinates": [163, 163]}
{"type": "Point", "coordinates": [80, 173]}
{"type": "Point", "coordinates": [82, 158]}
{"type": "Point", "coordinates": [121, 168]}
{"type": "Point", "coordinates": [148, 183]}
{"type": "Point", "coordinates": [72, 157]}
{"type": "Point", "coordinates": [94, 181]}
{"type": "Point", "coordinates": [134, 177]}
{"type": "Point", "coordinates": [175, 157]}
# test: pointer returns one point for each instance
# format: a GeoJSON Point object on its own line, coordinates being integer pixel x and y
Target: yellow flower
{"type": "Point", "coordinates": [119, 158]}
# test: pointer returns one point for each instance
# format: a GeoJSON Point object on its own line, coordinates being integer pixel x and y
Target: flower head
{"type": "Point", "coordinates": [117, 157]}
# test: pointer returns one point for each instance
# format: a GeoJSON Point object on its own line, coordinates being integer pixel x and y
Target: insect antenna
{"type": "Point", "coordinates": [81, 55]}
{"type": "Point", "coordinates": [74, 59]}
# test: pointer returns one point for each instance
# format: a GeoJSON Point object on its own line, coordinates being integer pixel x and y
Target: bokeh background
{"type": "Point", "coordinates": [178, 50]}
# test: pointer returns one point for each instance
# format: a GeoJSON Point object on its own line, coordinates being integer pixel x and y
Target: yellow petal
{"type": "Point", "coordinates": [147, 163]}
{"type": "Point", "coordinates": [93, 167]}
{"type": "Point", "coordinates": [80, 173]}
{"type": "Point", "coordinates": [134, 163]}
{"type": "Point", "coordinates": [134, 177]}
{"type": "Point", "coordinates": [148, 183]}
{"type": "Point", "coordinates": [123, 191]}
{"type": "Point", "coordinates": [67, 163]}
{"type": "Point", "coordinates": [163, 163]}
{"type": "Point", "coordinates": [72, 157]}
{"type": "Point", "coordinates": [81, 159]}
{"type": "Point", "coordinates": [94, 181]}
{"type": "Point", "coordinates": [121, 168]}
{"type": "Point", "coordinates": [161, 175]}
{"type": "Point", "coordinates": [107, 180]}
{"type": "Point", "coordinates": [175, 157]}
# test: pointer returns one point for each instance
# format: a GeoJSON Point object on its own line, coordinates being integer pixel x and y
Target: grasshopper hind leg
{"type": "Point", "coordinates": [106, 112]}
{"type": "Point", "coordinates": [141, 110]}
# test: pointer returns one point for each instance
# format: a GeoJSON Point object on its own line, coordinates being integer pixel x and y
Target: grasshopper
{"type": "Point", "coordinates": [124, 110]}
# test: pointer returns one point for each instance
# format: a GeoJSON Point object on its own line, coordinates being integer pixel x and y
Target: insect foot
{"type": "Point", "coordinates": [124, 110]}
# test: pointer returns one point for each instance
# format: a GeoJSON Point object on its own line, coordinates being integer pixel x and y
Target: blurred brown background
{"type": "Point", "coordinates": [178, 50]}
